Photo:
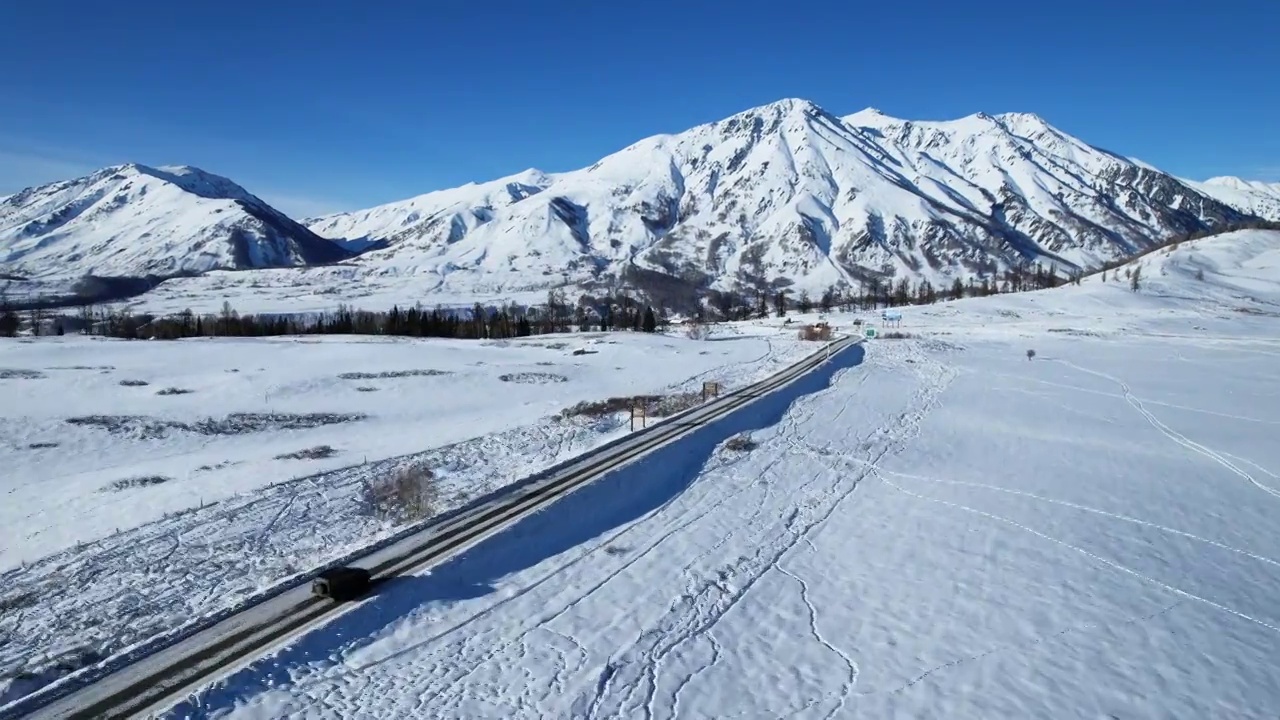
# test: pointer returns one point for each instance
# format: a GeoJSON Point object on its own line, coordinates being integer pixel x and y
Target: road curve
{"type": "Point", "coordinates": [158, 680]}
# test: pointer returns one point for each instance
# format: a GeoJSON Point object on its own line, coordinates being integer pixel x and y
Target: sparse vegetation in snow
{"type": "Point", "coordinates": [146, 428]}
{"type": "Point", "coordinates": [386, 374]}
{"type": "Point", "coordinates": [137, 482]}
{"type": "Point", "coordinates": [533, 378]}
{"type": "Point", "coordinates": [319, 452]}
{"type": "Point", "coordinates": [405, 494]}
{"type": "Point", "coordinates": [20, 374]}
{"type": "Point", "coordinates": [654, 405]}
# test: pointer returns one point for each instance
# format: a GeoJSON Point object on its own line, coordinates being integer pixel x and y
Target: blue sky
{"type": "Point", "coordinates": [326, 106]}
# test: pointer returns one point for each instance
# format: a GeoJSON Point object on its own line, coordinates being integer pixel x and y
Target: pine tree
{"type": "Point", "coordinates": [650, 322]}
{"type": "Point", "coordinates": [804, 304]}
{"type": "Point", "coordinates": [828, 299]}
{"type": "Point", "coordinates": [9, 322]}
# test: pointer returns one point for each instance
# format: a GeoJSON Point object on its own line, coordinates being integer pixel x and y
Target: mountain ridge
{"type": "Point", "coordinates": [133, 220]}
{"type": "Point", "coordinates": [782, 195]}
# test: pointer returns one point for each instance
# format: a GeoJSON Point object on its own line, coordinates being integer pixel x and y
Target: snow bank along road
{"type": "Point", "coordinates": [160, 679]}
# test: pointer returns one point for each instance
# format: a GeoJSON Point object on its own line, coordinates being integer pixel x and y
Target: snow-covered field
{"type": "Point", "coordinates": [942, 528]}
{"type": "Point", "coordinates": [147, 484]}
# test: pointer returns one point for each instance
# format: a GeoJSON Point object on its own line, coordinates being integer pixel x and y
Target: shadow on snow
{"type": "Point", "coordinates": [616, 499]}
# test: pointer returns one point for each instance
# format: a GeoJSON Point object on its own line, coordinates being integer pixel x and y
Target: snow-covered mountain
{"type": "Point", "coordinates": [788, 193]}
{"type": "Point", "coordinates": [133, 220]}
{"type": "Point", "coordinates": [1249, 196]}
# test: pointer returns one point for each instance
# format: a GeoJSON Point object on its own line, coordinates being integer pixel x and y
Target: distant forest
{"type": "Point", "coordinates": [618, 311]}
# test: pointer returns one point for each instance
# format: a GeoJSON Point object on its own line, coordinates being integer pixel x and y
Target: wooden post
{"type": "Point", "coordinates": [710, 389]}
{"type": "Point", "coordinates": [637, 410]}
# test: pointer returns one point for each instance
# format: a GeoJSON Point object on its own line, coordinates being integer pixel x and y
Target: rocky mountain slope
{"type": "Point", "coordinates": [1248, 196]}
{"type": "Point", "coordinates": [784, 195]}
{"type": "Point", "coordinates": [789, 194]}
{"type": "Point", "coordinates": [133, 220]}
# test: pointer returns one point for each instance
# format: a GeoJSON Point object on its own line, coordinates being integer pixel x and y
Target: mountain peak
{"type": "Point", "coordinates": [781, 108]}
{"type": "Point", "coordinates": [794, 104]}
{"type": "Point", "coordinates": [132, 220]}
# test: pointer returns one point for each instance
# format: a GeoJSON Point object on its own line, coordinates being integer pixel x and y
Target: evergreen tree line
{"type": "Point", "coordinates": [876, 293]}
{"type": "Point", "coordinates": [478, 322]}
{"type": "Point", "coordinates": [617, 311]}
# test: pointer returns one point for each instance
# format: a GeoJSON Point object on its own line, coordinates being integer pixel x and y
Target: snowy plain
{"type": "Point", "coordinates": [157, 507]}
{"type": "Point", "coordinates": [940, 527]}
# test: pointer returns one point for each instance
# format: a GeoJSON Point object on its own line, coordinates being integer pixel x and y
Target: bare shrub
{"type": "Point", "coordinates": [820, 332]}
{"type": "Point", "coordinates": [667, 405]}
{"type": "Point", "coordinates": [174, 391]}
{"type": "Point", "coordinates": [219, 466]}
{"type": "Point", "coordinates": [895, 335]}
{"type": "Point", "coordinates": [742, 442]}
{"type": "Point", "coordinates": [134, 383]}
{"type": "Point", "coordinates": [601, 408]}
{"type": "Point", "coordinates": [42, 445]}
{"type": "Point", "coordinates": [20, 374]}
{"type": "Point", "coordinates": [136, 482]}
{"type": "Point", "coordinates": [319, 452]}
{"type": "Point", "coordinates": [1031, 354]}
{"type": "Point", "coordinates": [366, 388]}
{"type": "Point", "coordinates": [391, 374]}
{"type": "Point", "coordinates": [654, 405]}
{"type": "Point", "coordinates": [406, 494]}
{"type": "Point", "coordinates": [697, 331]}
{"type": "Point", "coordinates": [534, 378]}
{"type": "Point", "coordinates": [146, 428]}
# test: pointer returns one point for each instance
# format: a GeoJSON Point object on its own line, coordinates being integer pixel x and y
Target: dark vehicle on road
{"type": "Point", "coordinates": [340, 584]}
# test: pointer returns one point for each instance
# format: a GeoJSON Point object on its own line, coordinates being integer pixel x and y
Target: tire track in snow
{"type": "Point", "coordinates": [1169, 432]}
{"type": "Point", "coordinates": [694, 614]}
{"type": "Point", "coordinates": [1021, 646]}
{"type": "Point", "coordinates": [454, 690]}
{"type": "Point", "coordinates": [458, 653]}
{"type": "Point", "coordinates": [1094, 556]}
{"type": "Point", "coordinates": [1084, 508]}
{"type": "Point", "coordinates": [852, 680]}
{"type": "Point", "coordinates": [1146, 401]}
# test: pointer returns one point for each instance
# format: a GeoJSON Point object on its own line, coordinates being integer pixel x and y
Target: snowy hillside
{"type": "Point", "coordinates": [448, 214]}
{"type": "Point", "coordinates": [1249, 196]}
{"type": "Point", "coordinates": [941, 528]}
{"type": "Point", "coordinates": [788, 192]}
{"type": "Point", "coordinates": [134, 220]}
